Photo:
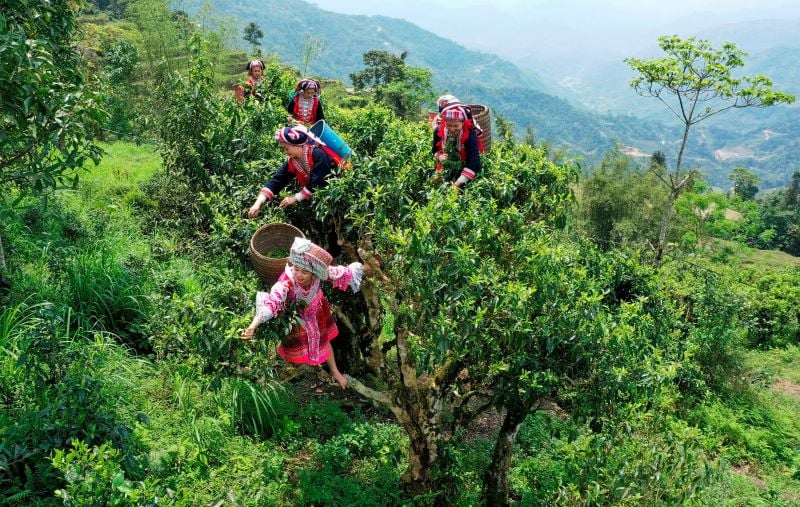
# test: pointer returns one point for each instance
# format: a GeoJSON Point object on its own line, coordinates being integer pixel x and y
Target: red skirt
{"type": "Point", "coordinates": [295, 346]}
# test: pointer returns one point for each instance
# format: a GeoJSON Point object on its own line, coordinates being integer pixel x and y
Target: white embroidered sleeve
{"type": "Point", "coordinates": [269, 304]}
{"type": "Point", "coordinates": [344, 277]}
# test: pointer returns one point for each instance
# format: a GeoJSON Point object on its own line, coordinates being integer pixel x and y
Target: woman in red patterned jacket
{"type": "Point", "coordinates": [455, 139]}
{"type": "Point", "coordinates": [305, 107]}
{"type": "Point", "coordinates": [309, 162]}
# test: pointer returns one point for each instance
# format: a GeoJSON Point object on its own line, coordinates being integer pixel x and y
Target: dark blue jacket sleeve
{"type": "Point", "coordinates": [473, 160]}
{"type": "Point", "coordinates": [320, 114]}
{"type": "Point", "coordinates": [281, 178]}
{"type": "Point", "coordinates": [290, 106]}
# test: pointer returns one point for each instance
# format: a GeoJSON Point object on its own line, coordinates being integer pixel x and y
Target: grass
{"type": "Point", "coordinates": [777, 363]}
{"type": "Point", "coordinates": [124, 163]}
{"type": "Point", "coordinates": [756, 258]}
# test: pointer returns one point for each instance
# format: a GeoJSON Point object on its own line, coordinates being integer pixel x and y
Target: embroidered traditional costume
{"type": "Point", "coordinates": [309, 342]}
{"type": "Point", "coordinates": [311, 170]}
{"type": "Point", "coordinates": [466, 142]}
{"type": "Point", "coordinates": [250, 87]}
{"type": "Point", "coordinates": [306, 111]}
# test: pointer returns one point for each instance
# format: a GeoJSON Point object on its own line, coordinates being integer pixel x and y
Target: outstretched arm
{"type": "Point", "coordinates": [346, 277]}
{"type": "Point", "coordinates": [277, 183]}
{"type": "Point", "coordinates": [268, 305]}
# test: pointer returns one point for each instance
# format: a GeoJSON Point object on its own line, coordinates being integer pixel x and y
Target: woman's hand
{"type": "Point", "coordinates": [288, 201]}
{"type": "Point", "coordinates": [254, 209]}
{"type": "Point", "coordinates": [248, 333]}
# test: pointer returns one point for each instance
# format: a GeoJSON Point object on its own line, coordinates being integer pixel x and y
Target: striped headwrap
{"type": "Point", "coordinates": [255, 63]}
{"type": "Point", "coordinates": [292, 135]}
{"type": "Point", "coordinates": [306, 255]}
{"type": "Point", "coordinates": [456, 113]}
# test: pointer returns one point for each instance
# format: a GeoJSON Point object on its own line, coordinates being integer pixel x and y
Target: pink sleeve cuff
{"type": "Point", "coordinates": [267, 193]}
{"type": "Point", "coordinates": [468, 173]}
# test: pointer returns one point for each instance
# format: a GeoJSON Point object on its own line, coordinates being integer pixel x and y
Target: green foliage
{"type": "Point", "coordinates": [781, 215]}
{"type": "Point", "coordinates": [401, 87]}
{"type": "Point", "coordinates": [255, 408]}
{"type": "Point", "coordinates": [771, 311]}
{"type": "Point", "coordinates": [94, 477]}
{"type": "Point", "coordinates": [359, 466]}
{"type": "Point", "coordinates": [619, 203]}
{"type": "Point", "coordinates": [106, 294]}
{"type": "Point", "coordinates": [253, 34]}
{"type": "Point", "coordinates": [49, 114]}
{"type": "Point", "coordinates": [745, 183]}
{"type": "Point", "coordinates": [669, 467]}
{"type": "Point", "coordinates": [364, 129]}
{"type": "Point", "coordinates": [561, 463]}
{"type": "Point", "coordinates": [710, 343]}
{"type": "Point", "coordinates": [60, 388]}
{"type": "Point", "coordinates": [122, 102]}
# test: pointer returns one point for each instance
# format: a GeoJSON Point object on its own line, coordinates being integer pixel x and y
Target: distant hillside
{"type": "Point", "coordinates": [475, 76]}
{"type": "Point", "coordinates": [522, 97]}
{"type": "Point", "coordinates": [756, 36]}
{"type": "Point", "coordinates": [286, 23]}
{"type": "Point", "coordinates": [762, 140]}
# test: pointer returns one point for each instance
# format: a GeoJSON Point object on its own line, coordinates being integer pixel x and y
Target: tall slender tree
{"type": "Point", "coordinates": [253, 34]}
{"type": "Point", "coordinates": [696, 81]}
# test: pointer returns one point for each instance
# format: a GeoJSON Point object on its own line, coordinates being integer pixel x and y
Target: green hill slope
{"type": "Point", "coordinates": [522, 97]}
{"type": "Point", "coordinates": [287, 23]}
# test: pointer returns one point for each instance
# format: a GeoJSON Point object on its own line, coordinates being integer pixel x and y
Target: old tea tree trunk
{"type": "Point", "coordinates": [418, 400]}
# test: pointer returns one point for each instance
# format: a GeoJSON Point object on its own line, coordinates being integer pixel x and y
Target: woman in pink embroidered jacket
{"type": "Point", "coordinates": [308, 343]}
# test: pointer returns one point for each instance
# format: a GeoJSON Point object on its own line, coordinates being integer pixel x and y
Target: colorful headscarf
{"type": "Point", "coordinates": [255, 63]}
{"type": "Point", "coordinates": [447, 100]}
{"type": "Point", "coordinates": [454, 113]}
{"type": "Point", "coordinates": [306, 255]}
{"type": "Point", "coordinates": [307, 84]}
{"type": "Point", "coordinates": [292, 135]}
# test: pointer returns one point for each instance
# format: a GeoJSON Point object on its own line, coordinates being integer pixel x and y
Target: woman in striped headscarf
{"type": "Point", "coordinates": [305, 107]}
{"type": "Point", "coordinates": [456, 144]}
{"type": "Point", "coordinates": [309, 162]}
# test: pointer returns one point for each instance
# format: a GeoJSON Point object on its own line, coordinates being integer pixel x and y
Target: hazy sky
{"type": "Point", "coordinates": [644, 6]}
{"type": "Point", "coordinates": [559, 29]}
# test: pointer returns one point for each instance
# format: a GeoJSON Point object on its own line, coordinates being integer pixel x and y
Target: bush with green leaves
{"type": "Point", "coordinates": [94, 476]}
{"type": "Point", "coordinates": [49, 114]}
{"type": "Point", "coordinates": [61, 385]}
{"type": "Point", "coordinates": [770, 310]}
{"type": "Point", "coordinates": [647, 460]}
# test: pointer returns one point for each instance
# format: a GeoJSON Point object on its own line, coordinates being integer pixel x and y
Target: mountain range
{"type": "Point", "coordinates": [583, 105]}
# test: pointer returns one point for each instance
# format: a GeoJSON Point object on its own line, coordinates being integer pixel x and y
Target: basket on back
{"type": "Point", "coordinates": [481, 115]}
{"type": "Point", "coordinates": [266, 241]}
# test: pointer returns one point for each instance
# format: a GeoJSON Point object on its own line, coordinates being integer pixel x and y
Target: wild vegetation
{"type": "Point", "coordinates": [516, 343]}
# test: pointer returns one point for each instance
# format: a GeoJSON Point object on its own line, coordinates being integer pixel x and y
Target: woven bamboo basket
{"type": "Point", "coordinates": [482, 116]}
{"type": "Point", "coordinates": [267, 238]}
